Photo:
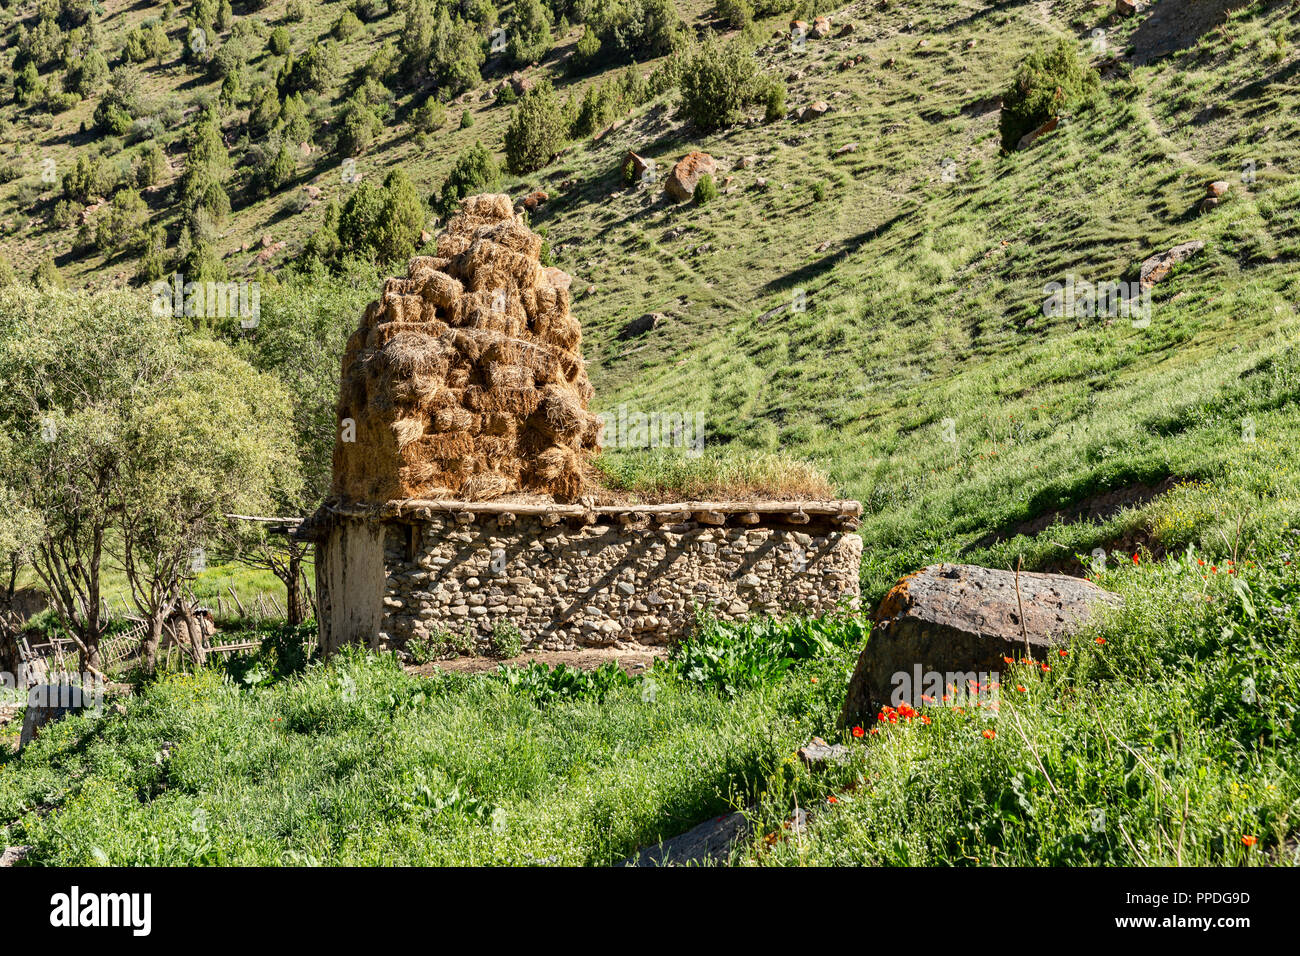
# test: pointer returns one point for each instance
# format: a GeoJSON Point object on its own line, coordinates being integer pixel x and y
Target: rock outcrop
{"type": "Point", "coordinates": [465, 378]}
{"type": "Point", "coordinates": [1155, 268]}
{"type": "Point", "coordinates": [956, 619]}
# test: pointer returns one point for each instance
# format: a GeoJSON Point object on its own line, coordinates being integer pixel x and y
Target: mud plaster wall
{"type": "Point", "coordinates": [566, 587]}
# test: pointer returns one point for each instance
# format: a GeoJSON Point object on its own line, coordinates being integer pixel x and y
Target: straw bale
{"type": "Point", "coordinates": [465, 378]}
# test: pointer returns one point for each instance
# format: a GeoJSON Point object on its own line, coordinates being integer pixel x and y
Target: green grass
{"type": "Point", "coordinates": [1168, 743]}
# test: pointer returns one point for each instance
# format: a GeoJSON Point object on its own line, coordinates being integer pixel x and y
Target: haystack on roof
{"type": "Point", "coordinates": [465, 378]}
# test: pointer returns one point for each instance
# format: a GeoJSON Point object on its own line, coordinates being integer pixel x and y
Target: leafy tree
{"type": "Point", "coordinates": [1051, 81]}
{"type": "Point", "coordinates": [530, 32]}
{"type": "Point", "coordinates": [475, 171]}
{"type": "Point", "coordinates": [537, 130]}
{"type": "Point", "coordinates": [303, 329]}
{"type": "Point", "coordinates": [213, 441]}
{"type": "Point", "coordinates": [120, 224]}
{"type": "Point", "coordinates": [357, 127]}
{"type": "Point", "coordinates": [107, 442]}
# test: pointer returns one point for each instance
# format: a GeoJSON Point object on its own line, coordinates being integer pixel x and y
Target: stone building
{"type": "Point", "coordinates": [463, 496]}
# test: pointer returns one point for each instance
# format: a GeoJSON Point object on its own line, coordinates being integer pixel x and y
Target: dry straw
{"type": "Point", "coordinates": [465, 378]}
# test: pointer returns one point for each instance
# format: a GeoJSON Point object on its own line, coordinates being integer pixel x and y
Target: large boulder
{"type": "Point", "coordinates": [1156, 267]}
{"type": "Point", "coordinates": [681, 182]}
{"type": "Point", "coordinates": [959, 621]}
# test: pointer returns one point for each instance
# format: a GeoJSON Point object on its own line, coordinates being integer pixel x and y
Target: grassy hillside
{"type": "Point", "coordinates": [923, 256]}
{"type": "Point", "coordinates": [866, 293]}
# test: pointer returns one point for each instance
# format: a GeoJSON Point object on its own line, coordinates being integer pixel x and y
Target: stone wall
{"type": "Point", "coordinates": [573, 584]}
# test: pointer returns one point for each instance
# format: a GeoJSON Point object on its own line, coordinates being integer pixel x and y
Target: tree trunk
{"type": "Point", "coordinates": [152, 638]}
{"type": "Point", "coordinates": [294, 610]}
{"type": "Point", "coordinates": [90, 659]}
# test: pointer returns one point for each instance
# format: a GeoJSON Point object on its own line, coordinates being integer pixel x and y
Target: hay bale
{"type": "Point", "coordinates": [464, 378]}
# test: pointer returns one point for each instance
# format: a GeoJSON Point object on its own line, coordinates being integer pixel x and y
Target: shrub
{"type": "Point", "coordinates": [47, 275]}
{"type": "Point", "coordinates": [717, 82]}
{"type": "Point", "coordinates": [429, 117]}
{"type": "Point", "coordinates": [382, 224]}
{"type": "Point", "coordinates": [737, 13]}
{"type": "Point", "coordinates": [295, 11]}
{"type": "Point", "coordinates": [357, 128]}
{"type": "Point", "coordinates": [537, 129]}
{"type": "Point", "coordinates": [505, 641]}
{"type": "Point", "coordinates": [346, 25]}
{"type": "Point", "coordinates": [316, 72]}
{"type": "Point", "coordinates": [149, 165]}
{"type": "Point", "coordinates": [474, 171]}
{"type": "Point", "coordinates": [1050, 81]}
{"type": "Point", "coordinates": [706, 190]}
{"type": "Point", "coordinates": [279, 42]}
{"type": "Point", "coordinates": [120, 224]}
{"type": "Point", "coordinates": [466, 119]}
{"type": "Point", "coordinates": [773, 98]}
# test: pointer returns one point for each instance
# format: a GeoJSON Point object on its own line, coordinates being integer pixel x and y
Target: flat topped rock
{"type": "Point", "coordinates": [963, 619]}
{"type": "Point", "coordinates": [709, 842]}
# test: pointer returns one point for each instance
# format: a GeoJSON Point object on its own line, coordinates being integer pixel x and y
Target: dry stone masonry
{"type": "Point", "coordinates": [463, 491]}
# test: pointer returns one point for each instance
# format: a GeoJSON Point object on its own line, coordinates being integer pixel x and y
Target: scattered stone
{"type": "Point", "coordinates": [1126, 8]}
{"type": "Point", "coordinates": [812, 111]}
{"type": "Point", "coordinates": [709, 842]}
{"type": "Point", "coordinates": [846, 30]}
{"type": "Point", "coordinates": [847, 148]}
{"type": "Point", "coordinates": [535, 199]}
{"type": "Point", "coordinates": [821, 27]}
{"type": "Point", "coordinates": [640, 165]}
{"type": "Point", "coordinates": [961, 621]}
{"type": "Point", "coordinates": [640, 326]}
{"type": "Point", "coordinates": [13, 854]}
{"type": "Point", "coordinates": [1155, 268]}
{"type": "Point", "coordinates": [520, 83]}
{"type": "Point", "coordinates": [681, 182]}
{"type": "Point", "coordinates": [1218, 188]}
{"type": "Point", "coordinates": [818, 754]}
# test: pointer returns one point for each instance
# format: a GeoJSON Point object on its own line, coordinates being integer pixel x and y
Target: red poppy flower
{"type": "Point", "coordinates": [990, 734]}
{"type": "Point", "coordinates": [1248, 840]}
{"type": "Point", "coordinates": [858, 731]}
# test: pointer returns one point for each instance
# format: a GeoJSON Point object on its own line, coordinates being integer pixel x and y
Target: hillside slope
{"type": "Point", "coordinates": [922, 372]}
